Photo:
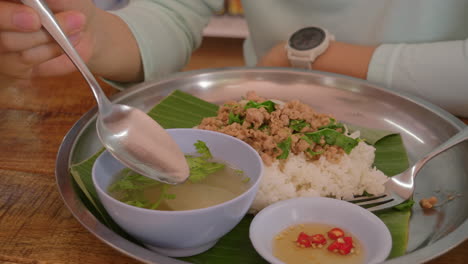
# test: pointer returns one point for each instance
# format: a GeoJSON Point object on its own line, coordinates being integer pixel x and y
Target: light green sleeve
{"type": "Point", "coordinates": [437, 72]}
{"type": "Point", "coordinates": [167, 31]}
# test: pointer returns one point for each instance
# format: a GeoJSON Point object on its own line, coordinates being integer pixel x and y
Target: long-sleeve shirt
{"type": "Point", "coordinates": [422, 44]}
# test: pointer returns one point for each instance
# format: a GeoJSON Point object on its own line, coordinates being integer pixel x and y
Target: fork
{"type": "Point", "coordinates": [400, 188]}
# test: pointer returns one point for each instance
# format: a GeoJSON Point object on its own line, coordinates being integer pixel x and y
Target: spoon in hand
{"type": "Point", "coordinates": [129, 134]}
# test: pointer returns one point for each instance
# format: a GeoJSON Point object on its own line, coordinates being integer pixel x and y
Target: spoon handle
{"type": "Point", "coordinates": [50, 24]}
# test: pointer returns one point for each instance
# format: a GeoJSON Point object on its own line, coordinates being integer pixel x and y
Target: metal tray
{"type": "Point", "coordinates": [422, 125]}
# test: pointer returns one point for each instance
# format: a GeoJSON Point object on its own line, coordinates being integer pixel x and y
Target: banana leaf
{"type": "Point", "coordinates": [182, 110]}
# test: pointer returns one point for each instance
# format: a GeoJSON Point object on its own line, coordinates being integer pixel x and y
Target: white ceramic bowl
{"type": "Point", "coordinates": [364, 225]}
{"type": "Point", "coordinates": [184, 233]}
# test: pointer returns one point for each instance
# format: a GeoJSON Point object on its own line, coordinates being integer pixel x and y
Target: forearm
{"type": "Point", "coordinates": [341, 58]}
{"type": "Point", "coordinates": [116, 55]}
{"type": "Point", "coordinates": [346, 59]}
{"type": "Point", "coordinates": [436, 71]}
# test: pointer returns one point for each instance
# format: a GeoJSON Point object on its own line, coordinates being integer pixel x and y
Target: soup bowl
{"type": "Point", "coordinates": [189, 232]}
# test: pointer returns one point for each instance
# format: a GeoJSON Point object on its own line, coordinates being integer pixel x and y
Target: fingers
{"type": "Point", "coordinates": [21, 51]}
{"type": "Point", "coordinates": [19, 64]}
{"type": "Point", "coordinates": [71, 22]}
{"type": "Point", "coordinates": [62, 64]}
{"type": "Point", "coordinates": [18, 17]}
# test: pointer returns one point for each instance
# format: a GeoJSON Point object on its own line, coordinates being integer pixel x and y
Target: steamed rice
{"type": "Point", "coordinates": [297, 177]}
{"type": "Point", "coordinates": [297, 162]}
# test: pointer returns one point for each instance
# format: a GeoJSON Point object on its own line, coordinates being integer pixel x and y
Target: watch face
{"type": "Point", "coordinates": [307, 38]}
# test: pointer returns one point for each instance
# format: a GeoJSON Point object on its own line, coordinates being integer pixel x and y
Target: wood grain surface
{"type": "Point", "coordinates": [35, 226]}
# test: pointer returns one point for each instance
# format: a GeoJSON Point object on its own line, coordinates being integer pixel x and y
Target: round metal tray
{"type": "Point", "coordinates": [422, 125]}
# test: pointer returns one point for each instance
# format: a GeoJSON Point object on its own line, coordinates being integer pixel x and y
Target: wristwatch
{"type": "Point", "coordinates": [306, 44]}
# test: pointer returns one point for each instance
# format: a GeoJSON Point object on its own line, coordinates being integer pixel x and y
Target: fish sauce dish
{"type": "Point", "coordinates": [319, 230]}
{"type": "Point", "coordinates": [188, 218]}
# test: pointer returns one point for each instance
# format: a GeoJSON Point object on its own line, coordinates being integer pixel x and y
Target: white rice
{"type": "Point", "coordinates": [353, 175]}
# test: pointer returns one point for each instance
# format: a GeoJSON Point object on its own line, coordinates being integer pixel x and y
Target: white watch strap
{"type": "Point", "coordinates": [302, 64]}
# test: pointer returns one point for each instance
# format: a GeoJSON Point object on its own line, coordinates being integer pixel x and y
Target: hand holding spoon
{"type": "Point", "coordinates": [129, 134]}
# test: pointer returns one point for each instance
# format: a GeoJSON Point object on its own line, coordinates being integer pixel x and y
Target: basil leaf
{"type": "Point", "coordinates": [333, 137]}
{"type": "Point", "coordinates": [263, 127]}
{"type": "Point", "coordinates": [284, 145]}
{"type": "Point", "coordinates": [313, 153]}
{"type": "Point", "coordinates": [307, 140]}
{"type": "Point", "coordinates": [235, 119]}
{"type": "Point", "coordinates": [298, 124]}
{"type": "Point", "coordinates": [333, 125]}
{"type": "Point", "coordinates": [268, 105]}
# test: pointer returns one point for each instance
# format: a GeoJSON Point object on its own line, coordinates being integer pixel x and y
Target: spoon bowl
{"type": "Point", "coordinates": [129, 134]}
{"type": "Point", "coordinates": [146, 149]}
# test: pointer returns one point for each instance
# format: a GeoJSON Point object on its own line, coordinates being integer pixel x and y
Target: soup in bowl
{"type": "Point", "coordinates": [190, 218]}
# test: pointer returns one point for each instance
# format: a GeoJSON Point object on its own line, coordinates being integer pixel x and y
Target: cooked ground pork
{"type": "Point", "coordinates": [267, 127]}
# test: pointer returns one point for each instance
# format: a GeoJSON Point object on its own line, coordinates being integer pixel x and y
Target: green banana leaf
{"type": "Point", "coordinates": [182, 110]}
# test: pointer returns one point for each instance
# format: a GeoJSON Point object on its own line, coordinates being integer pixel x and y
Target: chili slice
{"type": "Point", "coordinates": [318, 239]}
{"type": "Point", "coordinates": [333, 247]}
{"type": "Point", "coordinates": [342, 246]}
{"type": "Point", "coordinates": [303, 240]}
{"type": "Point", "coordinates": [345, 248]}
{"type": "Point", "coordinates": [335, 233]}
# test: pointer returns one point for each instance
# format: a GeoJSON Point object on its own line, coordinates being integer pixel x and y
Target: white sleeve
{"type": "Point", "coordinates": [167, 31]}
{"type": "Point", "coordinates": [437, 72]}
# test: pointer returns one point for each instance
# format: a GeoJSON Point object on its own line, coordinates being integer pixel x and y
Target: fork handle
{"type": "Point", "coordinates": [455, 140]}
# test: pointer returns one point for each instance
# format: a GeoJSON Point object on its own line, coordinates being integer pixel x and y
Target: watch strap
{"type": "Point", "coordinates": [300, 63]}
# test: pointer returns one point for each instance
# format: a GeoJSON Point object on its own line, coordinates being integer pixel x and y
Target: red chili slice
{"type": "Point", "coordinates": [342, 246]}
{"type": "Point", "coordinates": [318, 239]}
{"type": "Point", "coordinates": [335, 233]}
{"type": "Point", "coordinates": [348, 240]}
{"type": "Point", "coordinates": [303, 240]}
{"type": "Point", "coordinates": [334, 246]}
{"type": "Point", "coordinates": [345, 248]}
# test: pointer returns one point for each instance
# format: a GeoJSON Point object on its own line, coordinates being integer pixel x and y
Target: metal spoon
{"type": "Point", "coordinates": [129, 134]}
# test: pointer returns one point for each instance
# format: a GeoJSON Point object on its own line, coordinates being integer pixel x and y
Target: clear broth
{"type": "Point", "coordinates": [217, 188]}
{"type": "Point", "coordinates": [285, 248]}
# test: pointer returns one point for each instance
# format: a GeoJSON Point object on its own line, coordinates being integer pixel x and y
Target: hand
{"type": "Point", "coordinates": [27, 50]}
{"type": "Point", "coordinates": [341, 58]}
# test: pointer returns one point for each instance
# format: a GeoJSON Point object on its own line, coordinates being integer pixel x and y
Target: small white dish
{"type": "Point", "coordinates": [364, 225]}
{"type": "Point", "coordinates": [190, 232]}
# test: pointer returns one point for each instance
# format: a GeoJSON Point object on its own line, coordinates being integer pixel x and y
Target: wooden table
{"type": "Point", "coordinates": [35, 226]}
